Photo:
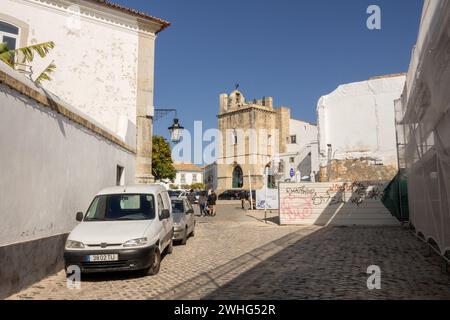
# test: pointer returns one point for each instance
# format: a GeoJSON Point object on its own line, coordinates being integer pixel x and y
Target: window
{"type": "Point", "coordinates": [234, 137]}
{"type": "Point", "coordinates": [120, 181]}
{"type": "Point", "coordinates": [160, 206]}
{"type": "Point", "coordinates": [183, 178]}
{"type": "Point", "coordinates": [122, 207]}
{"type": "Point", "coordinates": [177, 206]}
{"type": "Point", "coordinates": [269, 140]}
{"type": "Point", "coordinates": [9, 34]}
{"type": "Point", "coordinates": [291, 160]}
{"type": "Point", "coordinates": [194, 178]}
{"type": "Point", "coordinates": [294, 139]}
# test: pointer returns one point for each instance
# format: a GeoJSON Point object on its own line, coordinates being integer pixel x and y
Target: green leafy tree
{"type": "Point", "coordinates": [198, 186]}
{"type": "Point", "coordinates": [162, 163]}
{"type": "Point", "coordinates": [27, 55]}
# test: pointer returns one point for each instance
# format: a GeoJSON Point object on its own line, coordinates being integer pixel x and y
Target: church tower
{"type": "Point", "coordinates": [253, 134]}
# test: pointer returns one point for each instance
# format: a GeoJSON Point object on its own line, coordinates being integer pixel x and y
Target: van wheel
{"type": "Point", "coordinates": [169, 249]}
{"type": "Point", "coordinates": [184, 240]}
{"type": "Point", "coordinates": [156, 264]}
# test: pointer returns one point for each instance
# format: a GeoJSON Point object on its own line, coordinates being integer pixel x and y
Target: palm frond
{"type": "Point", "coordinates": [42, 49]}
{"type": "Point", "coordinates": [3, 47]}
{"type": "Point", "coordinates": [45, 75]}
{"type": "Point", "coordinates": [6, 55]}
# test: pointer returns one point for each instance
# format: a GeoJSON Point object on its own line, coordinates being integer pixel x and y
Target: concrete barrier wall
{"type": "Point", "coordinates": [352, 203]}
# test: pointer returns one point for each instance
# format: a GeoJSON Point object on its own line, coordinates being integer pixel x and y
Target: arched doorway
{"type": "Point", "coordinates": [238, 178]}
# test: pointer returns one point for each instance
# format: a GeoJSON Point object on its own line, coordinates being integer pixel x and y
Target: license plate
{"type": "Point", "coordinates": [103, 257]}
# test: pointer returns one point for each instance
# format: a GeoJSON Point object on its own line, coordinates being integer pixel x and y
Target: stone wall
{"type": "Point", "coordinates": [356, 170]}
{"type": "Point", "coordinates": [252, 153]}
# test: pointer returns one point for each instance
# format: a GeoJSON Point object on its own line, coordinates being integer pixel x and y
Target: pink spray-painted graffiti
{"type": "Point", "coordinates": [297, 207]}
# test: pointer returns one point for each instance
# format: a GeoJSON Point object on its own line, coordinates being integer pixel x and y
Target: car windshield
{"type": "Point", "coordinates": [177, 207]}
{"type": "Point", "coordinates": [122, 207]}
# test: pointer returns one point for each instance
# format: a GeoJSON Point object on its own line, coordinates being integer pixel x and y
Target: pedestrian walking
{"type": "Point", "coordinates": [242, 197]}
{"type": "Point", "coordinates": [203, 201]}
{"type": "Point", "coordinates": [212, 199]}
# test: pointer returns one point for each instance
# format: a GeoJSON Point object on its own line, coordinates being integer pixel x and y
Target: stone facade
{"type": "Point", "coordinates": [253, 133]}
{"type": "Point", "coordinates": [357, 170]}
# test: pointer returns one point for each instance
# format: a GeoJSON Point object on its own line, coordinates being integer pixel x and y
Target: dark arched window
{"type": "Point", "coordinates": [238, 178]}
{"type": "Point", "coordinates": [9, 34]}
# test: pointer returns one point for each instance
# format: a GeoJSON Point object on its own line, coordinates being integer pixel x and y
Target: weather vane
{"type": "Point", "coordinates": [236, 86]}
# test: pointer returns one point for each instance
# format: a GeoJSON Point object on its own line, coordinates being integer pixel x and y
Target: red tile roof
{"type": "Point", "coordinates": [164, 24]}
{"type": "Point", "coordinates": [187, 167]}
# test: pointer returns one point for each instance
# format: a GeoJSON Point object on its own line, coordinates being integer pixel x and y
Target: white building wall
{"type": "Point", "coordinates": [96, 57]}
{"type": "Point", "coordinates": [306, 143]}
{"type": "Point", "coordinates": [189, 178]}
{"type": "Point", "coordinates": [51, 169]}
{"type": "Point", "coordinates": [358, 121]}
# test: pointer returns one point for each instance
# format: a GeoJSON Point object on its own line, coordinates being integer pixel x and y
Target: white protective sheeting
{"type": "Point", "coordinates": [357, 120]}
{"type": "Point", "coordinates": [424, 127]}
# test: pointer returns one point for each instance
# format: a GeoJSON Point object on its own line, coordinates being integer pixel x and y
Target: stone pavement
{"type": "Point", "coordinates": [234, 256]}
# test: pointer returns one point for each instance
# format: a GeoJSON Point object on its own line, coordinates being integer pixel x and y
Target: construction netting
{"type": "Point", "coordinates": [395, 197]}
{"type": "Point", "coordinates": [425, 152]}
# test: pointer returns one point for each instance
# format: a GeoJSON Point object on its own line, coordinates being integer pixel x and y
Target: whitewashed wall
{"type": "Point", "coordinates": [307, 136]}
{"type": "Point", "coordinates": [96, 57]}
{"type": "Point", "coordinates": [51, 169]}
{"type": "Point", "coordinates": [306, 133]}
{"type": "Point", "coordinates": [358, 120]}
{"type": "Point", "coordinates": [189, 178]}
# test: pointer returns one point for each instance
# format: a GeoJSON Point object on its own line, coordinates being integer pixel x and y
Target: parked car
{"type": "Point", "coordinates": [174, 193]}
{"type": "Point", "coordinates": [125, 228]}
{"type": "Point", "coordinates": [229, 195]}
{"type": "Point", "coordinates": [183, 220]}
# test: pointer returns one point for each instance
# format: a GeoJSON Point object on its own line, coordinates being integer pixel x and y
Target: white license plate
{"type": "Point", "coordinates": [103, 257]}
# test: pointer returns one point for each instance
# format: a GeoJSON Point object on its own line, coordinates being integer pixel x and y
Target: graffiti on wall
{"type": "Point", "coordinates": [298, 201]}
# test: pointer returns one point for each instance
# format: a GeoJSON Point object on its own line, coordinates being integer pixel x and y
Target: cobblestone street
{"type": "Point", "coordinates": [234, 256]}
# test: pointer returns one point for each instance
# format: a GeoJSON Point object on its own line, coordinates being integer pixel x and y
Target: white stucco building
{"type": "Point", "coordinates": [302, 153]}
{"type": "Point", "coordinates": [356, 125]}
{"type": "Point", "coordinates": [88, 128]}
{"type": "Point", "coordinates": [188, 174]}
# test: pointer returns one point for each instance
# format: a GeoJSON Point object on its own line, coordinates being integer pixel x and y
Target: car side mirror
{"type": "Point", "coordinates": [165, 214]}
{"type": "Point", "coordinates": [79, 216]}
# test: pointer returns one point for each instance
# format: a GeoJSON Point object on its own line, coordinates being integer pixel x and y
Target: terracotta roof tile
{"type": "Point", "coordinates": [164, 23]}
{"type": "Point", "coordinates": [187, 167]}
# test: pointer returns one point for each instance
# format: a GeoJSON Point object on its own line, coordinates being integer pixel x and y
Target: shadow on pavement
{"type": "Point", "coordinates": [326, 263]}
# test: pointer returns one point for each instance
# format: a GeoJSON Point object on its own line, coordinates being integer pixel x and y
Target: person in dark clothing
{"type": "Point", "coordinates": [202, 201]}
{"type": "Point", "coordinates": [192, 197]}
{"type": "Point", "coordinates": [243, 197]}
{"type": "Point", "coordinates": [212, 199]}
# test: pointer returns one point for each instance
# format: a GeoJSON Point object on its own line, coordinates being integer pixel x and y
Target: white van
{"type": "Point", "coordinates": [125, 228]}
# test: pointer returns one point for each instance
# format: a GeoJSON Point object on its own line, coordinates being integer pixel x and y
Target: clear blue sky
{"type": "Point", "coordinates": [292, 50]}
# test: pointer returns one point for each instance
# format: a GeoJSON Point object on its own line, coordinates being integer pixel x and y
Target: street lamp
{"type": "Point", "coordinates": [175, 129]}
